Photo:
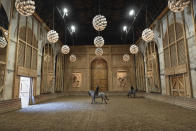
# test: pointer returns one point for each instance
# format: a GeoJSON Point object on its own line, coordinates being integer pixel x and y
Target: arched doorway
{"type": "Point", "coordinates": [152, 63]}
{"type": "Point", "coordinates": [99, 74]}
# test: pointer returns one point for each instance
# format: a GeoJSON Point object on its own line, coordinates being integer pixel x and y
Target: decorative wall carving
{"type": "Point", "coordinates": [122, 79]}
{"type": "Point", "coordinates": [76, 80]}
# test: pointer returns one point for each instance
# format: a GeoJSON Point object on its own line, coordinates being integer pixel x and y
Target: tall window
{"type": "Point", "coordinates": [28, 46]}
{"type": "Point", "coordinates": [175, 56]}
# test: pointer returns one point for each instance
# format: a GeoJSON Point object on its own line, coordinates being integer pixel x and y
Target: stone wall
{"type": "Point", "coordinates": [40, 31]}
{"type": "Point", "coordinates": [113, 55]}
{"type": "Point", "coordinates": [190, 35]}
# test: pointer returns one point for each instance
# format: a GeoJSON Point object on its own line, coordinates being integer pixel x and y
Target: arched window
{"type": "Point", "coordinates": [27, 46]}
{"type": "Point", "coordinates": [152, 65]}
{"type": "Point", "coordinates": [176, 57]}
{"type": "Point", "coordinates": [47, 69]}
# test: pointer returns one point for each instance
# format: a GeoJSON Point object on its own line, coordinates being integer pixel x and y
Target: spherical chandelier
{"type": "Point", "coordinates": [3, 42]}
{"type": "Point", "coordinates": [99, 41]}
{"type": "Point", "coordinates": [126, 57]}
{"type": "Point", "coordinates": [65, 49]}
{"type": "Point", "coordinates": [25, 7]}
{"type": "Point", "coordinates": [148, 35]}
{"type": "Point", "coordinates": [177, 5]}
{"type": "Point", "coordinates": [134, 49]}
{"type": "Point", "coordinates": [99, 51]}
{"type": "Point", "coordinates": [72, 58]}
{"type": "Point", "coordinates": [52, 36]}
{"type": "Point", "coordinates": [99, 22]}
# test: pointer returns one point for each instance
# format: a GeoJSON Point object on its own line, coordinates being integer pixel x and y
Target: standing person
{"type": "Point", "coordinates": [132, 91]}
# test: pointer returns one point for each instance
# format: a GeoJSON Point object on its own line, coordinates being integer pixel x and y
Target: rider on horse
{"type": "Point", "coordinates": [96, 91]}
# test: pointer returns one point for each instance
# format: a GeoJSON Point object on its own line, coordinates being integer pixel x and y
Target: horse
{"type": "Point", "coordinates": [101, 95]}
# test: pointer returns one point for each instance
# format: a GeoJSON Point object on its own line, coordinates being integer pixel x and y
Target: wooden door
{"type": "Point", "coordinates": [99, 74]}
{"type": "Point", "coordinates": [178, 85]}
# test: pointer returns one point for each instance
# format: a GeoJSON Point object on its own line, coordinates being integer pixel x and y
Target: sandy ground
{"type": "Point", "coordinates": [121, 114]}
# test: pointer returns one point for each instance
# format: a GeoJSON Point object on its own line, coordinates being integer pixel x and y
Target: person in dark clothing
{"type": "Point", "coordinates": [96, 91]}
{"type": "Point", "coordinates": [132, 91]}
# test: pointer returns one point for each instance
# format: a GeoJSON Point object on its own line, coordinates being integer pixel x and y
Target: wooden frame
{"type": "Point", "coordinates": [47, 69]}
{"type": "Point", "coordinates": [140, 72]}
{"type": "Point", "coordinates": [176, 57]}
{"type": "Point", "coordinates": [152, 67]}
{"type": "Point", "coordinates": [26, 67]}
{"type": "Point", "coordinates": [60, 66]}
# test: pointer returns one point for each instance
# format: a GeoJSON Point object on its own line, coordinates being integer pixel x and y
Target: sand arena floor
{"type": "Point", "coordinates": [121, 114]}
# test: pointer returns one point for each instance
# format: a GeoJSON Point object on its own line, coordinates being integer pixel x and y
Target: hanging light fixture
{"type": "Point", "coordinates": [134, 49]}
{"type": "Point", "coordinates": [99, 41]}
{"type": "Point", "coordinates": [25, 7]}
{"type": "Point", "coordinates": [73, 58]}
{"type": "Point", "coordinates": [99, 51]}
{"type": "Point", "coordinates": [126, 57]}
{"type": "Point", "coordinates": [99, 22]}
{"type": "Point", "coordinates": [3, 42]}
{"type": "Point", "coordinates": [147, 35]}
{"type": "Point", "coordinates": [178, 5]}
{"type": "Point", "coordinates": [52, 36]}
{"type": "Point", "coordinates": [65, 49]}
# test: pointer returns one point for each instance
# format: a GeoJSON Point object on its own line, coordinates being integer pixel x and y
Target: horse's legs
{"type": "Point", "coordinates": [105, 101]}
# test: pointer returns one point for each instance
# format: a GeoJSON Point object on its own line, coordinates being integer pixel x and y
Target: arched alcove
{"type": "Point", "coordinates": [152, 68]}
{"type": "Point", "coordinates": [47, 69]}
{"type": "Point", "coordinates": [59, 70]}
{"type": "Point", "coordinates": [176, 61]}
{"type": "Point", "coordinates": [99, 74]}
{"type": "Point", "coordinates": [140, 72]}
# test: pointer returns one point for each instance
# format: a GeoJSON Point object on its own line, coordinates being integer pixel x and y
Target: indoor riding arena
{"type": "Point", "coordinates": [97, 65]}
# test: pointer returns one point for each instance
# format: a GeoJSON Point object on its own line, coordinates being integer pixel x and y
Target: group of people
{"type": "Point", "coordinates": [131, 92]}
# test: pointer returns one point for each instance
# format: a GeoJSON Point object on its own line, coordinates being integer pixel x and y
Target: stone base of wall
{"type": "Point", "coordinates": [179, 101]}
{"type": "Point", "coordinates": [10, 105]}
{"type": "Point", "coordinates": [46, 97]}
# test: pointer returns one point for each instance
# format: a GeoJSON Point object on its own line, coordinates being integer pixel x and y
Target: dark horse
{"type": "Point", "coordinates": [101, 95]}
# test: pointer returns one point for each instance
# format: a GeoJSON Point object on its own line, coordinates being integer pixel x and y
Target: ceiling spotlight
{"type": "Point", "coordinates": [73, 28]}
{"type": "Point", "coordinates": [65, 10]}
{"type": "Point", "coordinates": [131, 12]}
{"type": "Point", "coordinates": [125, 28]}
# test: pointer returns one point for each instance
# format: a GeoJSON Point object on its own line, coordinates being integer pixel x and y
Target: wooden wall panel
{"type": "Point", "coordinates": [59, 83]}
{"type": "Point", "coordinates": [152, 61]}
{"type": "Point", "coordinates": [140, 72]}
{"type": "Point", "coordinates": [47, 69]}
{"type": "Point", "coordinates": [176, 57]}
{"type": "Point", "coordinates": [26, 54]}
